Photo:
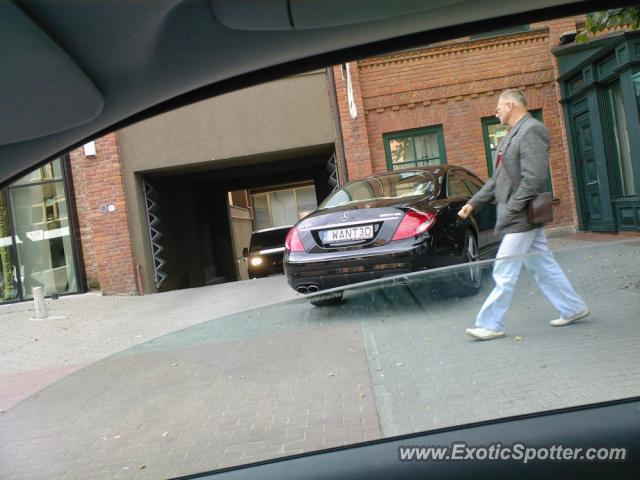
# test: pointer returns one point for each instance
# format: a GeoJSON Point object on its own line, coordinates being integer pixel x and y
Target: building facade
{"type": "Point", "coordinates": [436, 105]}
{"type": "Point", "coordinates": [171, 202]}
{"type": "Point", "coordinates": [600, 93]}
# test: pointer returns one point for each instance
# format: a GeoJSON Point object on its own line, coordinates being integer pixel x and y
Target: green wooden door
{"type": "Point", "coordinates": [589, 182]}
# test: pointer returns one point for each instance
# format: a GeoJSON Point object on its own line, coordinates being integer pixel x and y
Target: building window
{"type": "Point", "coordinates": [500, 32]}
{"type": "Point", "coordinates": [282, 207]}
{"type": "Point", "coordinates": [9, 279]}
{"type": "Point", "coordinates": [624, 165]}
{"type": "Point", "coordinates": [36, 246]}
{"type": "Point", "coordinates": [415, 148]}
{"type": "Point", "coordinates": [493, 132]}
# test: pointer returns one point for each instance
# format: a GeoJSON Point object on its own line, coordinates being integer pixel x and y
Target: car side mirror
{"type": "Point", "coordinates": [245, 252]}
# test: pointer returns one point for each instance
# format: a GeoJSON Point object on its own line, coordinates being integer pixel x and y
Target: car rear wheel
{"type": "Point", "coordinates": [327, 299]}
{"type": "Point", "coordinates": [469, 276]}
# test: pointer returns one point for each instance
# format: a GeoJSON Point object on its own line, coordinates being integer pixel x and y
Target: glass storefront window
{"type": "Point", "coordinates": [43, 238]}
{"type": "Point", "coordinates": [8, 279]}
{"type": "Point", "coordinates": [50, 171]}
{"type": "Point", "coordinates": [35, 237]}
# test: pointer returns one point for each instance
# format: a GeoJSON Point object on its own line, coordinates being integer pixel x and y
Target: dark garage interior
{"type": "Point", "coordinates": [192, 230]}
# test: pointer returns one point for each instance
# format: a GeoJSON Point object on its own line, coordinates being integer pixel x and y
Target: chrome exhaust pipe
{"type": "Point", "coordinates": [301, 289]}
{"type": "Point", "coordinates": [313, 288]}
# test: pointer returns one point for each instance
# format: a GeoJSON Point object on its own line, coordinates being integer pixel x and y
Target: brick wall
{"type": "Point", "coordinates": [105, 235]}
{"type": "Point", "coordinates": [455, 85]}
{"type": "Point", "coordinates": [354, 131]}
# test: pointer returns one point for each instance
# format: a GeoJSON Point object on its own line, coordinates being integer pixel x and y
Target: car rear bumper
{"type": "Point", "coordinates": [265, 270]}
{"type": "Point", "coordinates": [326, 271]}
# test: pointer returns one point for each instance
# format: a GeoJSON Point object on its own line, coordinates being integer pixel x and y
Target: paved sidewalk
{"type": "Point", "coordinates": [290, 377]}
{"type": "Point", "coordinates": [89, 327]}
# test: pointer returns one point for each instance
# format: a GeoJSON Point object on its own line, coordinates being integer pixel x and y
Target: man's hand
{"type": "Point", "coordinates": [465, 211]}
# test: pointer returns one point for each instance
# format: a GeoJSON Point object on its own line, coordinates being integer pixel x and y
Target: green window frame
{"type": "Point", "coordinates": [487, 122]}
{"type": "Point", "coordinates": [409, 137]}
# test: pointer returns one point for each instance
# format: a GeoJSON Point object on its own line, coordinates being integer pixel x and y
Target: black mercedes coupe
{"type": "Point", "coordinates": [391, 224]}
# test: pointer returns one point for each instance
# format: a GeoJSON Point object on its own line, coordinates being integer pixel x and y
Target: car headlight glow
{"type": "Point", "coordinates": [255, 261]}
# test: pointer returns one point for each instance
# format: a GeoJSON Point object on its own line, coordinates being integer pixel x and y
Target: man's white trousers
{"type": "Point", "coordinates": [532, 249]}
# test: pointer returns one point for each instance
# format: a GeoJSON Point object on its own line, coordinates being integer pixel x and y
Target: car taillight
{"type": "Point", "coordinates": [413, 223]}
{"type": "Point", "coordinates": [293, 243]}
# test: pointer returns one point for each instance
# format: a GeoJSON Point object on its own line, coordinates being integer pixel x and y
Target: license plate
{"type": "Point", "coordinates": [348, 234]}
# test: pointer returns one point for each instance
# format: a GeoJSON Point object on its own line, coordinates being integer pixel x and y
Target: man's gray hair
{"type": "Point", "coordinates": [514, 95]}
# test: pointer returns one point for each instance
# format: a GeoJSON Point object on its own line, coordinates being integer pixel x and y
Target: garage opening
{"type": "Point", "coordinates": [201, 222]}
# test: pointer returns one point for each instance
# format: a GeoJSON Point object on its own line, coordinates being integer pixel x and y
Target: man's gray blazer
{"type": "Point", "coordinates": [521, 175]}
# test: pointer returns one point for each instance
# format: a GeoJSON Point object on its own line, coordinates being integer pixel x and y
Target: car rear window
{"type": "Point", "coordinates": [268, 239]}
{"type": "Point", "coordinates": [396, 185]}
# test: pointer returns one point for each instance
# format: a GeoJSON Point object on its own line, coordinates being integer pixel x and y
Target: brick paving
{"type": "Point", "coordinates": [290, 378]}
{"type": "Point", "coordinates": [36, 353]}
{"type": "Point", "coordinates": [427, 374]}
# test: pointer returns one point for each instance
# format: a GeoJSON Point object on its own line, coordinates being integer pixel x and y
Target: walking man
{"type": "Point", "coordinates": [522, 166]}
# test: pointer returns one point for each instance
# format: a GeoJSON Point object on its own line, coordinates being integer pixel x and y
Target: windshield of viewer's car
{"type": "Point", "coordinates": [397, 185]}
{"type": "Point", "coordinates": [158, 354]}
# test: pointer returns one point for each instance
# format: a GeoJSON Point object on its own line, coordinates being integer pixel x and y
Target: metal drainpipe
{"type": "Point", "coordinates": [343, 174]}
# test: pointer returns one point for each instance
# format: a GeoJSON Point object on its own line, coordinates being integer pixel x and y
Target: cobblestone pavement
{"type": "Point", "coordinates": [289, 378]}
{"type": "Point", "coordinates": [85, 328]}
{"type": "Point", "coordinates": [426, 375]}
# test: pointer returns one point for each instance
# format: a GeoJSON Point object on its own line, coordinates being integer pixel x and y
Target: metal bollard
{"type": "Point", "coordinates": [41, 305]}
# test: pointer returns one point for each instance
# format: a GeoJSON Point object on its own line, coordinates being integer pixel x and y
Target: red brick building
{"type": "Point", "coordinates": [192, 179]}
{"type": "Point", "coordinates": [444, 97]}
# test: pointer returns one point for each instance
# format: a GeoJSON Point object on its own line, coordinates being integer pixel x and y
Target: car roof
{"type": "Point", "coordinates": [74, 70]}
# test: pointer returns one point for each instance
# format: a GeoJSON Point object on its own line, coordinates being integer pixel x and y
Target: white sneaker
{"type": "Point", "coordinates": [483, 333]}
{"type": "Point", "coordinates": [561, 322]}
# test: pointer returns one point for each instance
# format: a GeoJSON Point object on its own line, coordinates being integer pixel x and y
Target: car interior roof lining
{"type": "Point", "coordinates": [144, 61]}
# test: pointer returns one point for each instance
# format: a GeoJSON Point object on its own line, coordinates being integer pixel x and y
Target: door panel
{"type": "Point", "coordinates": [587, 172]}
{"type": "Point", "coordinates": [485, 218]}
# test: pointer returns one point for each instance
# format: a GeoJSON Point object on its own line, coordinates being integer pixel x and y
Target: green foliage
{"type": "Point", "coordinates": [610, 19]}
